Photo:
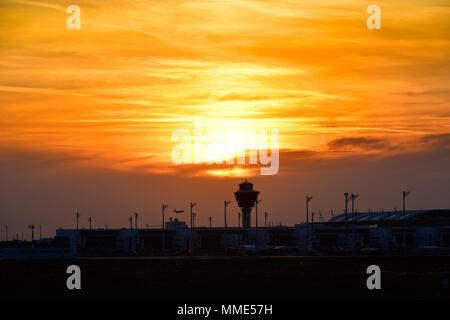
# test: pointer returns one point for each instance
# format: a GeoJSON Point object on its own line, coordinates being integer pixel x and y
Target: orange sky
{"type": "Point", "coordinates": [87, 115]}
{"type": "Point", "coordinates": [113, 92]}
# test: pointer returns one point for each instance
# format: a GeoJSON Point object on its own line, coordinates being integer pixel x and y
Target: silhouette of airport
{"type": "Point", "coordinates": [350, 233]}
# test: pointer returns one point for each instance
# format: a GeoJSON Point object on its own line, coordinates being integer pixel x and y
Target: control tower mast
{"type": "Point", "coordinates": [246, 198]}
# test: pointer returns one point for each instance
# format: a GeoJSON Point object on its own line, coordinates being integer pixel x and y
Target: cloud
{"type": "Point", "coordinates": [363, 143]}
{"type": "Point", "coordinates": [35, 160]}
{"type": "Point", "coordinates": [40, 4]}
{"type": "Point", "coordinates": [50, 187]}
{"type": "Point", "coordinates": [437, 141]}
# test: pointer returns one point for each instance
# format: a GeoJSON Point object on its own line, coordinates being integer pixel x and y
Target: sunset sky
{"type": "Point", "coordinates": [83, 110]}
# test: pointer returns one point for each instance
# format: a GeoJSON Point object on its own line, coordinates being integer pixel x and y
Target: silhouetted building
{"type": "Point", "coordinates": [246, 198]}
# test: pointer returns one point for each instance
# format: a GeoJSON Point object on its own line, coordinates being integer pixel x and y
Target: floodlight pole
{"type": "Point", "coordinates": [163, 242]}
{"type": "Point", "coordinates": [265, 224]}
{"type": "Point", "coordinates": [192, 205]}
{"type": "Point", "coordinates": [353, 196]}
{"type": "Point", "coordinates": [256, 213]}
{"type": "Point", "coordinates": [225, 204]}
{"type": "Point", "coordinates": [256, 224]}
{"type": "Point", "coordinates": [265, 219]}
{"type": "Point", "coordinates": [136, 238]}
{"type": "Point", "coordinates": [136, 220]}
{"type": "Point", "coordinates": [78, 231]}
{"type": "Point", "coordinates": [239, 226]}
{"type": "Point", "coordinates": [32, 232]}
{"type": "Point", "coordinates": [404, 195]}
{"type": "Point", "coordinates": [308, 199]}
{"type": "Point", "coordinates": [346, 217]}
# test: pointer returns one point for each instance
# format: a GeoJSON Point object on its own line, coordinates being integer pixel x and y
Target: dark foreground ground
{"type": "Point", "coordinates": [240, 278]}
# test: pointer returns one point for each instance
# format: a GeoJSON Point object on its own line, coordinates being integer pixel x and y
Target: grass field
{"type": "Point", "coordinates": [240, 278]}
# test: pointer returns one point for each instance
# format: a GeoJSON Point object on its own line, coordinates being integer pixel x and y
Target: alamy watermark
{"type": "Point", "coordinates": [74, 21]}
{"type": "Point", "coordinates": [374, 20]}
{"type": "Point", "coordinates": [227, 147]}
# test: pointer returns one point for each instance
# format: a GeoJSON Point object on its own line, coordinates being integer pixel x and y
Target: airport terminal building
{"type": "Point", "coordinates": [366, 232]}
{"type": "Point", "coordinates": [387, 232]}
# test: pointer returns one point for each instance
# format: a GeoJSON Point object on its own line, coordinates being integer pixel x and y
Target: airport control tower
{"type": "Point", "coordinates": [246, 198]}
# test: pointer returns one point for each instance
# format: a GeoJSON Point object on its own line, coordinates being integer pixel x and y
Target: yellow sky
{"type": "Point", "coordinates": [138, 70]}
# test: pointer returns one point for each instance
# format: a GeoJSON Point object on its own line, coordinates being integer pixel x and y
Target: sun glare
{"type": "Point", "coordinates": [232, 172]}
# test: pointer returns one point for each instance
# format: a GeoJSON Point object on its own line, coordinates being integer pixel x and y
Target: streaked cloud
{"type": "Point", "coordinates": [137, 70]}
